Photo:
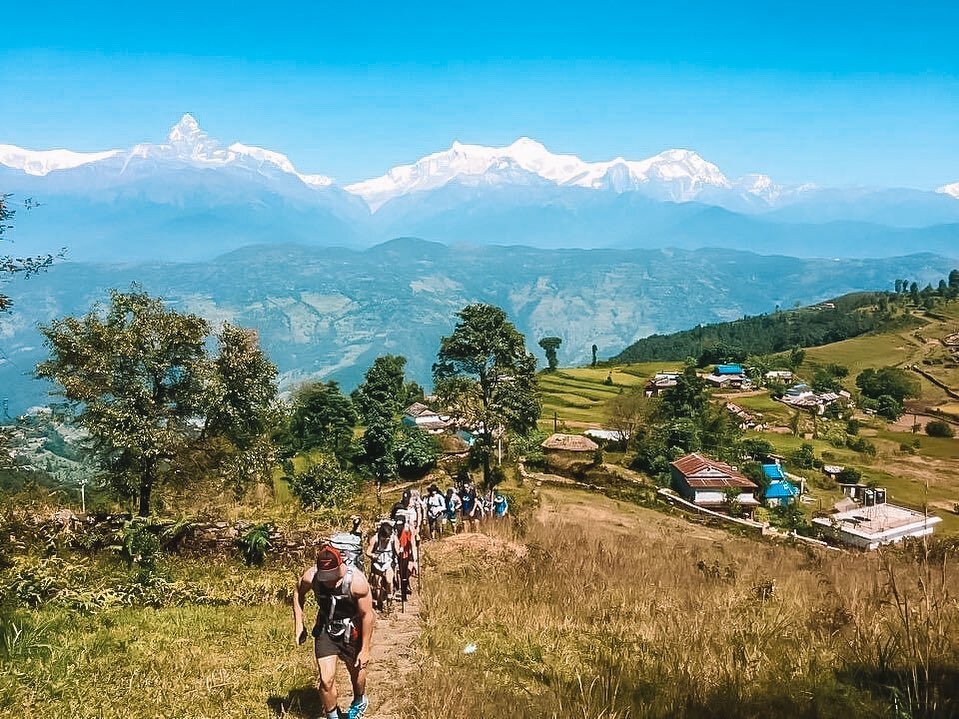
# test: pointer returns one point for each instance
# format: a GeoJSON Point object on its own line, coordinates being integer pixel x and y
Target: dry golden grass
{"type": "Point", "coordinates": [622, 612]}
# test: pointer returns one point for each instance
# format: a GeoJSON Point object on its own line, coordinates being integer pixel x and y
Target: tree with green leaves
{"type": "Point", "coordinates": [379, 399]}
{"type": "Point", "coordinates": [595, 350]}
{"type": "Point", "coordinates": [415, 452]}
{"type": "Point", "coordinates": [139, 379]}
{"type": "Point", "coordinates": [550, 345]}
{"type": "Point", "coordinates": [485, 375]}
{"type": "Point", "coordinates": [892, 381]}
{"type": "Point", "coordinates": [322, 418]}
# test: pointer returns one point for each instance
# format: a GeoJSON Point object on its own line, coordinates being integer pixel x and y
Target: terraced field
{"type": "Point", "coordinates": [577, 396]}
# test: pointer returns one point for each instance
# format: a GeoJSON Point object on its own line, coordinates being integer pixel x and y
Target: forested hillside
{"type": "Point", "coordinates": [842, 318]}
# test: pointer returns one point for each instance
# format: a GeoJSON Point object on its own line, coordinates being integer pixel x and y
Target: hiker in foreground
{"type": "Point", "coordinates": [344, 626]}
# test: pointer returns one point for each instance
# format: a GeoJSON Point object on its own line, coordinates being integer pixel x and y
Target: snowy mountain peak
{"type": "Point", "coordinates": [187, 130]}
{"type": "Point", "coordinates": [43, 162]}
{"type": "Point", "coordinates": [951, 190]}
{"type": "Point", "coordinates": [186, 144]}
{"type": "Point", "coordinates": [676, 174]}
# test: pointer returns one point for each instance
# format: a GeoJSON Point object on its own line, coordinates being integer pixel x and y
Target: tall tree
{"type": "Point", "coordinates": [138, 378]}
{"type": "Point", "coordinates": [322, 418]}
{"type": "Point", "coordinates": [485, 375]}
{"type": "Point", "coordinates": [595, 350]}
{"type": "Point", "coordinates": [550, 345]}
{"type": "Point", "coordinates": [379, 399]}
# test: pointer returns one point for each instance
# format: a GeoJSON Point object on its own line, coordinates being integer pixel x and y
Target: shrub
{"type": "Point", "coordinates": [137, 543]}
{"type": "Point", "coordinates": [938, 428]}
{"type": "Point", "coordinates": [323, 484]}
{"type": "Point", "coordinates": [255, 544]}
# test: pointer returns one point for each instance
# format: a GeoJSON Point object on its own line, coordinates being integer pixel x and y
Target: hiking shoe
{"type": "Point", "coordinates": [358, 709]}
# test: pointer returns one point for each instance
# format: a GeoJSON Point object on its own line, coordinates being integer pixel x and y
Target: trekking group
{"type": "Point", "coordinates": [348, 599]}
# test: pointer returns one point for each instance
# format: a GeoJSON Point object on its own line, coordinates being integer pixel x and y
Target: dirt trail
{"type": "Point", "coordinates": [392, 659]}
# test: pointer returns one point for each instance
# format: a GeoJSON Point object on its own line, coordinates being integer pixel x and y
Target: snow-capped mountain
{"type": "Point", "coordinates": [675, 175]}
{"type": "Point", "coordinates": [189, 196]}
{"type": "Point", "coordinates": [951, 190]}
{"type": "Point", "coordinates": [43, 162]}
{"type": "Point", "coordinates": [187, 144]}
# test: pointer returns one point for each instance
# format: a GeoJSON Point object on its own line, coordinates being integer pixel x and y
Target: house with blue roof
{"type": "Point", "coordinates": [780, 491]}
{"type": "Point", "coordinates": [729, 376]}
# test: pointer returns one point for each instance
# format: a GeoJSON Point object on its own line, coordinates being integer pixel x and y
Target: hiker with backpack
{"type": "Point", "coordinates": [343, 627]}
{"type": "Point", "coordinates": [383, 550]}
{"type": "Point", "coordinates": [453, 505]}
{"type": "Point", "coordinates": [435, 511]}
{"type": "Point", "coordinates": [407, 559]}
{"type": "Point", "coordinates": [470, 507]}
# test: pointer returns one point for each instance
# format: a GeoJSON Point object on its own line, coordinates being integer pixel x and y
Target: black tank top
{"type": "Point", "coordinates": [336, 602]}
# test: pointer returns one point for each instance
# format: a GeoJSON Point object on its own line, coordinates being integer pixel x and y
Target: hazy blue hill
{"type": "Point", "coordinates": [328, 311]}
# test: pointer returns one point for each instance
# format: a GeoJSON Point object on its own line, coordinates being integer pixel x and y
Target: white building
{"type": "Point", "coordinates": [869, 527]}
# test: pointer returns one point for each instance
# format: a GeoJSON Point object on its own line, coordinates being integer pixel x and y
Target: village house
{"type": "Point", "coordinates": [864, 519]}
{"type": "Point", "coordinates": [729, 376]}
{"type": "Point", "coordinates": [569, 452]}
{"type": "Point", "coordinates": [745, 419]}
{"type": "Point", "coordinates": [661, 382]}
{"type": "Point", "coordinates": [712, 484]}
{"type": "Point", "coordinates": [779, 375]}
{"type": "Point", "coordinates": [804, 397]}
{"type": "Point", "coordinates": [420, 416]}
{"type": "Point", "coordinates": [780, 491]}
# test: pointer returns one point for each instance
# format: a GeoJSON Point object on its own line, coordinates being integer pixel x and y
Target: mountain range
{"type": "Point", "coordinates": [191, 197]}
{"type": "Point", "coordinates": [328, 312]}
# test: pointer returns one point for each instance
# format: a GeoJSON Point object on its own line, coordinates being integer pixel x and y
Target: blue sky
{"type": "Point", "coordinates": [865, 93]}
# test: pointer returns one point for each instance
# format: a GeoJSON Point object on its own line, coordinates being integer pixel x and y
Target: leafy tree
{"type": "Point", "coordinates": [849, 475]}
{"type": "Point", "coordinates": [379, 399]}
{"type": "Point", "coordinates": [804, 457]}
{"type": "Point", "coordinates": [953, 280]}
{"type": "Point", "coordinates": [415, 452]}
{"type": "Point", "coordinates": [322, 418]}
{"type": "Point", "coordinates": [824, 381]}
{"type": "Point", "coordinates": [139, 380]}
{"type": "Point", "coordinates": [796, 357]}
{"type": "Point", "coordinates": [485, 375]}
{"type": "Point", "coordinates": [627, 412]}
{"type": "Point", "coordinates": [550, 345]}
{"type": "Point", "coordinates": [689, 398]}
{"type": "Point", "coordinates": [413, 393]}
{"type": "Point", "coordinates": [892, 381]}
{"type": "Point", "coordinates": [595, 349]}
{"type": "Point", "coordinates": [888, 407]}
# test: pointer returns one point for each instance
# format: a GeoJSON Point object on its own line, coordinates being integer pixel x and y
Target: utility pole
{"type": "Point", "coordinates": [83, 495]}
{"type": "Point", "coordinates": [555, 430]}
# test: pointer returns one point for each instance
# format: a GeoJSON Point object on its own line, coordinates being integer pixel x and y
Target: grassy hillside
{"type": "Point", "coordinates": [605, 609]}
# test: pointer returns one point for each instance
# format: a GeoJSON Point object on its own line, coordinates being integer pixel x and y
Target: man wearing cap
{"type": "Point", "coordinates": [344, 626]}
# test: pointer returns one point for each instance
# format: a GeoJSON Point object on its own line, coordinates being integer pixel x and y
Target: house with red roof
{"type": "Point", "coordinates": [711, 483]}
